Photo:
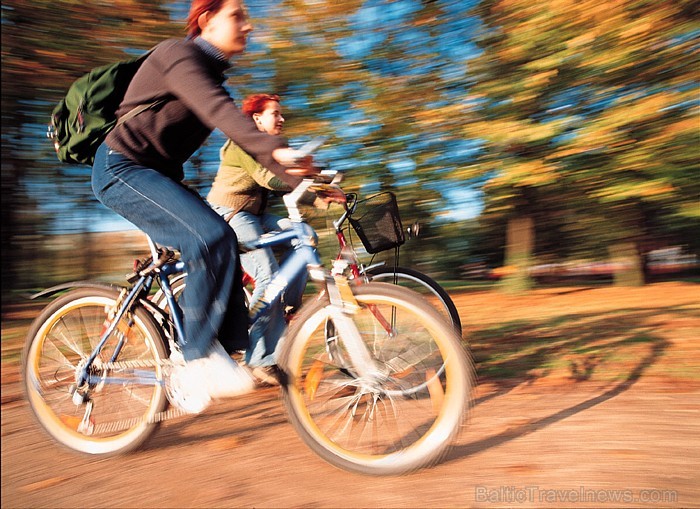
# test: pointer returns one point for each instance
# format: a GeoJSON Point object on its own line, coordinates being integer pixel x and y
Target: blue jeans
{"type": "Point", "coordinates": [213, 302]}
{"type": "Point", "coordinates": [261, 265]}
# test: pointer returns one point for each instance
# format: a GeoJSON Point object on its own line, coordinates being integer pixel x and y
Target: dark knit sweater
{"type": "Point", "coordinates": [191, 81]}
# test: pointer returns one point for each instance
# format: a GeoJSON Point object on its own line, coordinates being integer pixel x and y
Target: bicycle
{"type": "Point", "coordinates": [375, 381]}
{"type": "Point", "coordinates": [377, 222]}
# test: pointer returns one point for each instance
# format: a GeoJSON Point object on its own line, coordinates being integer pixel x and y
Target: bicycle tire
{"type": "Point", "coordinates": [424, 410]}
{"type": "Point", "coordinates": [60, 338]}
{"type": "Point", "coordinates": [419, 282]}
{"type": "Point", "coordinates": [177, 284]}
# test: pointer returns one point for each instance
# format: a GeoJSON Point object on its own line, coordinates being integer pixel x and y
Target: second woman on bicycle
{"type": "Point", "coordinates": [240, 195]}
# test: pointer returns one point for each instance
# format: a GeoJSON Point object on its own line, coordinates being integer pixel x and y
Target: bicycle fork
{"type": "Point", "coordinates": [343, 305]}
{"type": "Point", "coordinates": [341, 308]}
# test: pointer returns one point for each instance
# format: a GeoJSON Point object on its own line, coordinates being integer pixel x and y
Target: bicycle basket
{"type": "Point", "coordinates": [378, 223]}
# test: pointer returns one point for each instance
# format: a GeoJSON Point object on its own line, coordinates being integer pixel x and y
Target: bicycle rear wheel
{"type": "Point", "coordinates": [177, 285]}
{"type": "Point", "coordinates": [423, 284]}
{"type": "Point", "coordinates": [404, 421]}
{"type": "Point", "coordinates": [115, 417]}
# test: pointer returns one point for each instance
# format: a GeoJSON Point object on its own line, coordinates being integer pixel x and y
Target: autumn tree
{"type": "Point", "coordinates": [586, 114]}
{"type": "Point", "coordinates": [45, 46]}
{"type": "Point", "coordinates": [387, 80]}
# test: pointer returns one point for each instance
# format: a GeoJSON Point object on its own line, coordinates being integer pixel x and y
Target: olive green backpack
{"type": "Point", "coordinates": [84, 117]}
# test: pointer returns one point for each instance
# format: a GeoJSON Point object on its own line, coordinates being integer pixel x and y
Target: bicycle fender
{"type": "Point", "coordinates": [73, 284]}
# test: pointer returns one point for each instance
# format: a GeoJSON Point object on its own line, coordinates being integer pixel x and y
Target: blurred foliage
{"type": "Point", "coordinates": [579, 117]}
{"type": "Point", "coordinates": [383, 79]}
{"type": "Point", "coordinates": [589, 114]}
{"type": "Point", "coordinates": [45, 47]}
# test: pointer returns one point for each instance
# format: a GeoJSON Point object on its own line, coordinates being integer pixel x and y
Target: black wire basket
{"type": "Point", "coordinates": [377, 222]}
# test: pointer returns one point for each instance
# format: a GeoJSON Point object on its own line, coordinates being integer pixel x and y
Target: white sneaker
{"type": "Point", "coordinates": [184, 393]}
{"type": "Point", "coordinates": [223, 377]}
{"type": "Point", "coordinates": [193, 385]}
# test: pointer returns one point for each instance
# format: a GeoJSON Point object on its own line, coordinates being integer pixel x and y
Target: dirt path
{"type": "Point", "coordinates": [588, 398]}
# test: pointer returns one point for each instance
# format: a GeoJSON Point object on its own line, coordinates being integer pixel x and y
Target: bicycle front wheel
{"type": "Point", "coordinates": [402, 421]}
{"type": "Point", "coordinates": [423, 284]}
{"type": "Point", "coordinates": [117, 413]}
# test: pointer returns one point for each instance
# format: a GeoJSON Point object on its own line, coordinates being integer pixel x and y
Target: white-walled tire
{"type": "Point", "coordinates": [60, 340]}
{"type": "Point", "coordinates": [401, 423]}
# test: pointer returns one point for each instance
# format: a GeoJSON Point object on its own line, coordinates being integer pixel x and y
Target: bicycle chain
{"type": "Point", "coordinates": [122, 424]}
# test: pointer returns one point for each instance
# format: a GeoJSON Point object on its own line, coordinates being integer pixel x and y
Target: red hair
{"type": "Point", "coordinates": [256, 103]}
{"type": "Point", "coordinates": [198, 8]}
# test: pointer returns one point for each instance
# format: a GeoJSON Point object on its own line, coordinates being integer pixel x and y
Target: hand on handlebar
{"type": "Point", "coordinates": [298, 163]}
{"type": "Point", "coordinates": [303, 171]}
{"type": "Point", "coordinates": [327, 194]}
{"type": "Point", "coordinates": [287, 156]}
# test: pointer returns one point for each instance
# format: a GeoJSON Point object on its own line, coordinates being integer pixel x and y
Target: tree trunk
{"type": "Point", "coordinates": [520, 235]}
{"type": "Point", "coordinates": [627, 263]}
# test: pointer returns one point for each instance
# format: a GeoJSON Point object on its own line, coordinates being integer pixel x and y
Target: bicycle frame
{"type": "Point", "coordinates": [305, 258]}
{"type": "Point", "coordinates": [372, 377]}
{"type": "Point", "coordinates": [343, 243]}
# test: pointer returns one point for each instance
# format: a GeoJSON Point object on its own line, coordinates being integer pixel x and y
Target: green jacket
{"type": "Point", "coordinates": [243, 184]}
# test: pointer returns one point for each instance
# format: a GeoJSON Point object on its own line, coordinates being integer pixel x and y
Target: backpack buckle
{"type": "Point", "coordinates": [51, 134]}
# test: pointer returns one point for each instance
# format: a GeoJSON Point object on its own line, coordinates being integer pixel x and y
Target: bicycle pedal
{"type": "Point", "coordinates": [78, 397]}
{"type": "Point", "coordinates": [87, 424]}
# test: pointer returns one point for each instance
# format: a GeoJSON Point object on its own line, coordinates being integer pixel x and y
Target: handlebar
{"type": "Point", "coordinates": [327, 178]}
{"type": "Point", "coordinates": [324, 179]}
{"type": "Point", "coordinates": [312, 146]}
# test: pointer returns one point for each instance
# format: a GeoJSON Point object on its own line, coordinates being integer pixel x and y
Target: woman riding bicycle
{"type": "Point", "coordinates": [240, 195]}
{"type": "Point", "coordinates": [138, 173]}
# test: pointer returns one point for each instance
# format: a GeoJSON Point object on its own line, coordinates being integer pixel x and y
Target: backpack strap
{"type": "Point", "coordinates": [138, 109]}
